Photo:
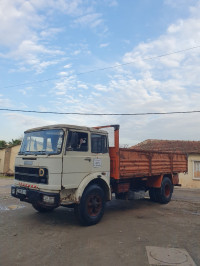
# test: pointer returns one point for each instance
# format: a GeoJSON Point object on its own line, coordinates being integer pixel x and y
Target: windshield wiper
{"type": "Point", "coordinates": [32, 152]}
{"type": "Point", "coordinates": [41, 152]}
{"type": "Point", "coordinates": [26, 153]}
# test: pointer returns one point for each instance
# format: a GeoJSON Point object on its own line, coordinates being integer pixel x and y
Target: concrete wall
{"type": "Point", "coordinates": [7, 159]}
{"type": "Point", "coordinates": [14, 152]}
{"type": "Point", "coordinates": [6, 168]}
{"type": "Point", "coordinates": [188, 180]}
{"type": "Point", "coordinates": [2, 158]}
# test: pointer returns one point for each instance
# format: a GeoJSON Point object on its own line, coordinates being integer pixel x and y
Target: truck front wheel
{"type": "Point", "coordinates": [92, 205]}
{"type": "Point", "coordinates": [40, 208]}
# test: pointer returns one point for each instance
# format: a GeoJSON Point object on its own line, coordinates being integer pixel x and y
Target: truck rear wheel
{"type": "Point", "coordinates": [166, 190]}
{"type": "Point", "coordinates": [40, 208]}
{"type": "Point", "coordinates": [92, 205]}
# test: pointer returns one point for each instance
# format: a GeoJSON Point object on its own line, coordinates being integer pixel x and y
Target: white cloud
{"type": "Point", "coordinates": [30, 51]}
{"type": "Point", "coordinates": [102, 45]}
{"type": "Point", "coordinates": [65, 84]}
{"type": "Point", "coordinates": [40, 66]}
{"type": "Point", "coordinates": [63, 73]}
{"type": "Point", "coordinates": [16, 21]}
{"type": "Point", "coordinates": [5, 102]}
{"type": "Point", "coordinates": [24, 122]}
{"type": "Point", "coordinates": [77, 52]}
{"type": "Point", "coordinates": [29, 46]}
{"type": "Point", "coordinates": [81, 85]}
{"type": "Point", "coordinates": [72, 8]}
{"type": "Point", "coordinates": [169, 83]}
{"type": "Point", "coordinates": [96, 94]}
{"type": "Point", "coordinates": [26, 91]}
{"type": "Point", "coordinates": [25, 31]}
{"type": "Point", "coordinates": [49, 32]}
{"type": "Point", "coordinates": [181, 35]}
{"type": "Point", "coordinates": [42, 108]}
{"type": "Point", "coordinates": [111, 2]}
{"type": "Point", "coordinates": [100, 87]}
{"type": "Point", "coordinates": [68, 66]}
{"type": "Point", "coordinates": [180, 3]}
{"type": "Point", "coordinates": [92, 20]}
{"type": "Point", "coordinates": [14, 124]}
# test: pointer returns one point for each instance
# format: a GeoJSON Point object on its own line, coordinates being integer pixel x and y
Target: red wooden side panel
{"type": "Point", "coordinates": [130, 163]}
{"type": "Point", "coordinates": [135, 163]}
{"type": "Point", "coordinates": [114, 163]}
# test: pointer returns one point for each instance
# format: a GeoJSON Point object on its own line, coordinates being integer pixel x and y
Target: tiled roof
{"type": "Point", "coordinates": [169, 145]}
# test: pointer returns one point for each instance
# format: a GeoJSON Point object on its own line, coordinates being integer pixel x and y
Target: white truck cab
{"type": "Point", "coordinates": [64, 165]}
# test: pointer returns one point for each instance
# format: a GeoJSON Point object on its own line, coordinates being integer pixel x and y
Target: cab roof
{"type": "Point", "coordinates": [66, 126]}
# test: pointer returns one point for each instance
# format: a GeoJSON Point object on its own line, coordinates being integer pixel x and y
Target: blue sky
{"type": "Point", "coordinates": [61, 40]}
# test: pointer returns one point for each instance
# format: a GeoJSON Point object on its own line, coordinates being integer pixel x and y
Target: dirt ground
{"type": "Point", "coordinates": [121, 238]}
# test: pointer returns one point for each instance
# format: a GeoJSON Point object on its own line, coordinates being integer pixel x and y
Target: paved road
{"type": "Point", "coordinates": [121, 238]}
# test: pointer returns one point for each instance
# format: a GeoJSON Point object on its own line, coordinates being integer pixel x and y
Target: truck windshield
{"type": "Point", "coordinates": [42, 142]}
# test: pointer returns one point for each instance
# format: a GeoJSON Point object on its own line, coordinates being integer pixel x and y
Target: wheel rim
{"type": "Point", "coordinates": [94, 205]}
{"type": "Point", "coordinates": [167, 190]}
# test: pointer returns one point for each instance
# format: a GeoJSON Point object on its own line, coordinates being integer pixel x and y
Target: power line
{"type": "Point", "coordinates": [102, 69]}
{"type": "Point", "coordinates": [99, 114]}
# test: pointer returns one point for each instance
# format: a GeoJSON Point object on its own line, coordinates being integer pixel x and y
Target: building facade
{"type": "Point", "coordinates": [191, 179]}
{"type": "Point", "coordinates": [7, 160]}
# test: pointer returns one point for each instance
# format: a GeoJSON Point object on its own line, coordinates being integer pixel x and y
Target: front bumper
{"type": "Point", "coordinates": [34, 196]}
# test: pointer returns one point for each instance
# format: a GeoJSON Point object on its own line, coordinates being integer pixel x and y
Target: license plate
{"type": "Point", "coordinates": [21, 191]}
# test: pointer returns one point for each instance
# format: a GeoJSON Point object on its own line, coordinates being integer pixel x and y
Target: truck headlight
{"type": "Point", "coordinates": [48, 199]}
{"type": "Point", "coordinates": [41, 172]}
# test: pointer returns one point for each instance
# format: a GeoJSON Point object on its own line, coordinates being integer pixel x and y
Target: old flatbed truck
{"type": "Point", "coordinates": [73, 166]}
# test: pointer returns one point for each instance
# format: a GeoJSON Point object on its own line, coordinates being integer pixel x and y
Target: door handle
{"type": "Point", "coordinates": [88, 159]}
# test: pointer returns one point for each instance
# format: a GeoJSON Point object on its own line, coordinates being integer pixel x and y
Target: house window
{"type": "Point", "coordinates": [196, 174]}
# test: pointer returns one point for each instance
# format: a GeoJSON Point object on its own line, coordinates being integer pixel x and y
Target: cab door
{"type": "Point", "coordinates": [100, 154]}
{"type": "Point", "coordinates": [77, 160]}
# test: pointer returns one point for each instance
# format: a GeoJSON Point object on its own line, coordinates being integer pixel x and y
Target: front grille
{"type": "Point", "coordinates": [30, 174]}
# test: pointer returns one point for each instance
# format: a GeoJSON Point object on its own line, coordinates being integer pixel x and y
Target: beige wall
{"type": "Point", "coordinates": [2, 157]}
{"type": "Point", "coordinates": [7, 159]}
{"type": "Point", "coordinates": [187, 180]}
{"type": "Point", "coordinates": [14, 152]}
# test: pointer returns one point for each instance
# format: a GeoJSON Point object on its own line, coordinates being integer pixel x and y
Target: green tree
{"type": "Point", "coordinates": [3, 144]}
{"type": "Point", "coordinates": [14, 142]}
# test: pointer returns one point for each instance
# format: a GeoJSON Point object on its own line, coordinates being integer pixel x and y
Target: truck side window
{"type": "Point", "coordinates": [77, 141]}
{"type": "Point", "coordinates": [99, 143]}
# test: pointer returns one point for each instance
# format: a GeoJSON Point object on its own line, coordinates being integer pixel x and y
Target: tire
{"type": "Point", "coordinates": [153, 194]}
{"type": "Point", "coordinates": [40, 208]}
{"type": "Point", "coordinates": [166, 190]}
{"type": "Point", "coordinates": [92, 206]}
